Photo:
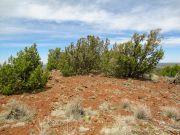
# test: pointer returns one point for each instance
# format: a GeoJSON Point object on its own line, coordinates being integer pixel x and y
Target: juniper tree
{"type": "Point", "coordinates": [18, 74]}
{"type": "Point", "coordinates": [136, 57]}
{"type": "Point", "coordinates": [53, 59]}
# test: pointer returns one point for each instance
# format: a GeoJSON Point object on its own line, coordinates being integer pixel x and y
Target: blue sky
{"type": "Point", "coordinates": [57, 23]}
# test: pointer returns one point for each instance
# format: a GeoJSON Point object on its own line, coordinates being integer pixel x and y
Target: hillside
{"type": "Point", "coordinates": [104, 100]}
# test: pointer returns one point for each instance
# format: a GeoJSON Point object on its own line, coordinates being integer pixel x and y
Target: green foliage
{"type": "Point", "coordinates": [38, 78]}
{"type": "Point", "coordinates": [170, 71]}
{"type": "Point", "coordinates": [22, 73]}
{"type": "Point", "coordinates": [107, 62]}
{"type": "Point", "coordinates": [136, 57]}
{"type": "Point", "coordinates": [53, 59]}
{"type": "Point", "coordinates": [7, 79]}
{"type": "Point", "coordinates": [83, 57]}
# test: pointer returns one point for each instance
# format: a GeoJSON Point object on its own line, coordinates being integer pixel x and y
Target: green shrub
{"type": "Point", "coordinates": [7, 90]}
{"type": "Point", "coordinates": [22, 73]}
{"type": "Point", "coordinates": [136, 57]}
{"type": "Point", "coordinates": [8, 79]}
{"type": "Point", "coordinates": [106, 63]}
{"type": "Point", "coordinates": [83, 57]}
{"type": "Point", "coordinates": [38, 78]}
{"type": "Point", "coordinates": [53, 59]}
{"type": "Point", "coordinates": [170, 71]}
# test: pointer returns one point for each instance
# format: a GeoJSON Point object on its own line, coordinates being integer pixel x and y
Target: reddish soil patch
{"type": "Point", "coordinates": [95, 90]}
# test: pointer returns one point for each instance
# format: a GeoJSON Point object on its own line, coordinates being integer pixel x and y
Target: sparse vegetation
{"type": "Point", "coordinates": [17, 111]}
{"type": "Point", "coordinates": [142, 112]}
{"type": "Point", "coordinates": [125, 103]}
{"type": "Point", "coordinates": [44, 127]}
{"type": "Point", "coordinates": [74, 109]}
{"type": "Point", "coordinates": [105, 106]}
{"type": "Point", "coordinates": [128, 125]}
{"type": "Point", "coordinates": [122, 126]}
{"type": "Point", "coordinates": [171, 112]}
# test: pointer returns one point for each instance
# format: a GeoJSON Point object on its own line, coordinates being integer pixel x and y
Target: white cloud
{"type": "Point", "coordinates": [171, 42]}
{"type": "Point", "coordinates": [141, 17]}
{"type": "Point", "coordinates": [168, 42]}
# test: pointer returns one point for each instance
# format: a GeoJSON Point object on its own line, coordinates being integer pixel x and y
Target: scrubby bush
{"type": "Point", "coordinates": [170, 71]}
{"type": "Point", "coordinates": [136, 57]}
{"type": "Point", "coordinates": [38, 78]}
{"type": "Point", "coordinates": [16, 111]}
{"type": "Point", "coordinates": [74, 109]}
{"type": "Point", "coordinates": [171, 112]}
{"type": "Point", "coordinates": [8, 79]}
{"type": "Point", "coordinates": [107, 63]}
{"type": "Point", "coordinates": [53, 59]}
{"type": "Point", "coordinates": [142, 112]}
{"type": "Point", "coordinates": [83, 57]}
{"type": "Point", "coordinates": [22, 73]}
{"type": "Point", "coordinates": [126, 104]}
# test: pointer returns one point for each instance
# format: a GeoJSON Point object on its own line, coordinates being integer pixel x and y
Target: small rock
{"type": "Point", "coordinates": [20, 124]}
{"type": "Point", "coordinates": [154, 78]}
{"type": "Point", "coordinates": [92, 97]}
{"type": "Point", "coordinates": [83, 129]}
{"type": "Point", "coordinates": [49, 85]}
{"type": "Point", "coordinates": [91, 75]}
{"type": "Point", "coordinates": [169, 79]}
{"type": "Point", "coordinates": [79, 88]}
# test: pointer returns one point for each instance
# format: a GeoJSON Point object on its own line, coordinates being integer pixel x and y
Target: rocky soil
{"type": "Point", "coordinates": [99, 107]}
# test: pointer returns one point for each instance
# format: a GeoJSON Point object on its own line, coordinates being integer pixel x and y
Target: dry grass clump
{"type": "Point", "coordinates": [128, 125]}
{"type": "Point", "coordinates": [126, 104]}
{"type": "Point", "coordinates": [171, 112]}
{"type": "Point", "coordinates": [123, 126]}
{"type": "Point", "coordinates": [17, 111]}
{"type": "Point", "coordinates": [142, 112]}
{"type": "Point", "coordinates": [105, 106]}
{"type": "Point", "coordinates": [44, 127]}
{"type": "Point", "coordinates": [74, 109]}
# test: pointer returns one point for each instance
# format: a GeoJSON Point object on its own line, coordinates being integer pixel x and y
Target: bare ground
{"type": "Point", "coordinates": [94, 90]}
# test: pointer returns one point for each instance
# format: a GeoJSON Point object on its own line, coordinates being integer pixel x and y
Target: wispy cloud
{"type": "Point", "coordinates": [171, 42]}
{"type": "Point", "coordinates": [142, 17]}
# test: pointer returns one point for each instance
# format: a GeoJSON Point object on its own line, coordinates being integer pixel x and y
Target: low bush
{"type": "Point", "coordinates": [23, 73]}
{"type": "Point", "coordinates": [17, 111]}
{"type": "Point", "coordinates": [134, 58]}
{"type": "Point", "coordinates": [142, 112]}
{"type": "Point", "coordinates": [105, 107]}
{"type": "Point", "coordinates": [82, 57]}
{"type": "Point", "coordinates": [171, 112]}
{"type": "Point", "coordinates": [170, 71]}
{"type": "Point", "coordinates": [126, 104]}
{"type": "Point", "coordinates": [124, 125]}
{"type": "Point", "coordinates": [53, 59]}
{"type": "Point", "coordinates": [74, 109]}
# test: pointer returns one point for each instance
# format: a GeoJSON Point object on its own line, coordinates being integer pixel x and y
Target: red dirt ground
{"type": "Point", "coordinates": [94, 90]}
